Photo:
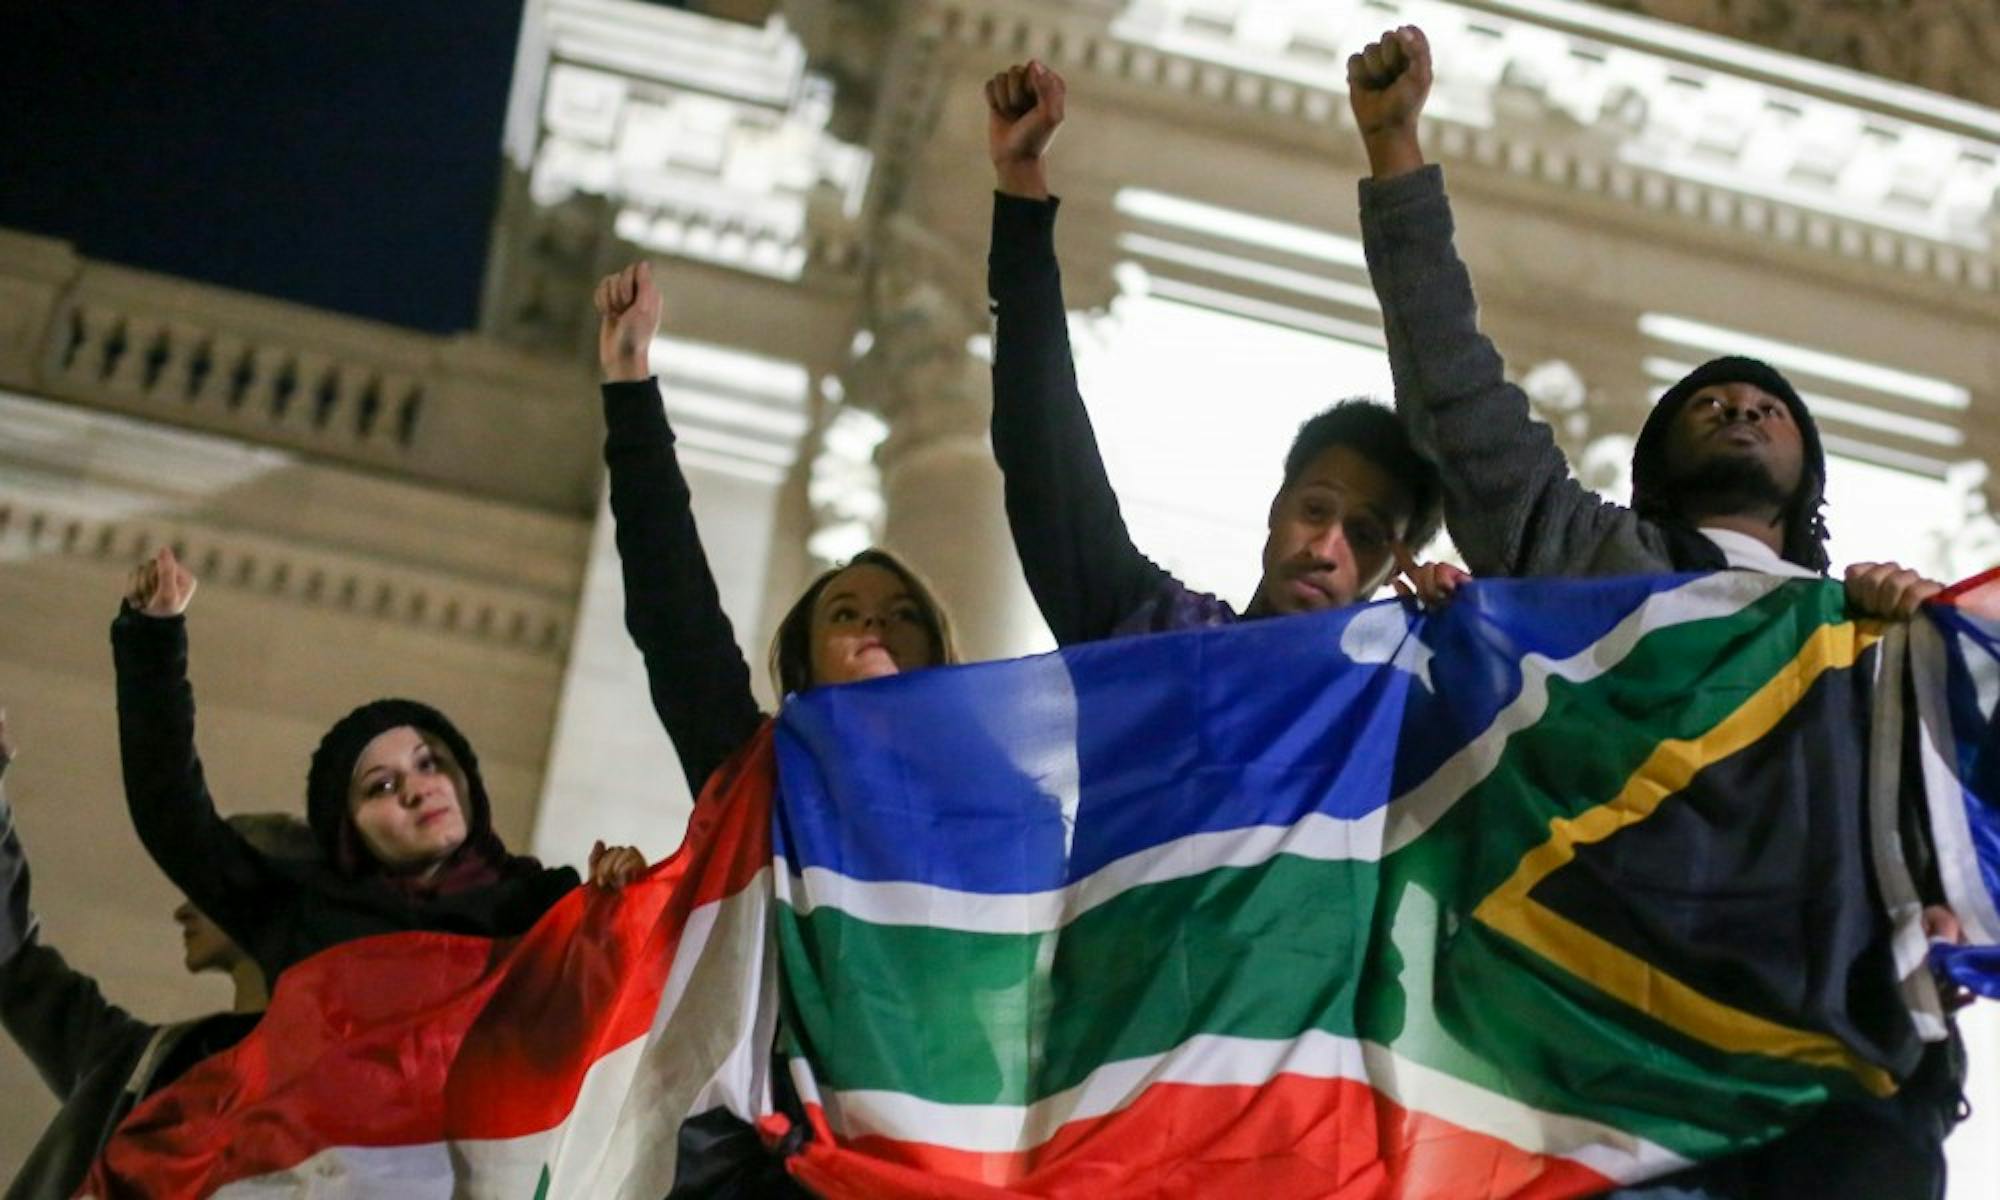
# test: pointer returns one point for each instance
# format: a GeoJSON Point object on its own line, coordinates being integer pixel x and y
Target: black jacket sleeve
{"type": "Point", "coordinates": [167, 793]}
{"type": "Point", "coordinates": [54, 1012]}
{"type": "Point", "coordinates": [1081, 565]}
{"type": "Point", "coordinates": [699, 680]}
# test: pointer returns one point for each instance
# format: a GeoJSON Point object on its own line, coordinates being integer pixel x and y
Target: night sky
{"type": "Point", "coordinates": [339, 153]}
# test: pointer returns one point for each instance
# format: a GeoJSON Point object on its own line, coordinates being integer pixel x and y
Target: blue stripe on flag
{"type": "Point", "coordinates": [1156, 738]}
{"type": "Point", "coordinates": [1973, 646]}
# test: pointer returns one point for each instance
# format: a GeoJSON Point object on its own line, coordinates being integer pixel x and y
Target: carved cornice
{"type": "Point", "coordinates": [1947, 46]}
{"type": "Point", "coordinates": [279, 570]}
{"type": "Point", "coordinates": [1836, 166]}
{"type": "Point", "coordinates": [708, 139]}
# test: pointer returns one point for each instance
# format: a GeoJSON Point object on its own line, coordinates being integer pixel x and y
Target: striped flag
{"type": "Point", "coordinates": [564, 1063]}
{"type": "Point", "coordinates": [1956, 668]}
{"type": "Point", "coordinates": [1566, 886]}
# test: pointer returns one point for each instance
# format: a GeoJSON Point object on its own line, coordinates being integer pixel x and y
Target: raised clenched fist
{"type": "Point", "coordinates": [628, 318]}
{"type": "Point", "coordinates": [1387, 84]}
{"type": "Point", "coordinates": [160, 586]}
{"type": "Point", "coordinates": [1024, 108]}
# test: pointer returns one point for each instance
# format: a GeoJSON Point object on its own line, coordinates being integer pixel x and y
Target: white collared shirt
{"type": "Point", "coordinates": [1746, 553]}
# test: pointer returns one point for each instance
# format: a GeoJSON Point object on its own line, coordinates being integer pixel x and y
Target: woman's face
{"type": "Point", "coordinates": [407, 798]}
{"type": "Point", "coordinates": [866, 624]}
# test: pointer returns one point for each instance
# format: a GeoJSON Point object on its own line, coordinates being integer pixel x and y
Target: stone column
{"type": "Point", "coordinates": [924, 374]}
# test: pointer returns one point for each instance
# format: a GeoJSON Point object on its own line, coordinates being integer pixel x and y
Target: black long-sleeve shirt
{"type": "Point", "coordinates": [698, 677]}
{"type": "Point", "coordinates": [97, 1058]}
{"type": "Point", "coordinates": [1087, 577]}
{"type": "Point", "coordinates": [279, 912]}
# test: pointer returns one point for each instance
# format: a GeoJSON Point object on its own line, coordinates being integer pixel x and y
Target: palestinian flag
{"type": "Point", "coordinates": [1569, 885]}
{"type": "Point", "coordinates": [578, 1060]}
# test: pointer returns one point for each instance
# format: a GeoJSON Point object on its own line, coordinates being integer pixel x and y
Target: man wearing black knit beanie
{"type": "Point", "coordinates": [1728, 472]}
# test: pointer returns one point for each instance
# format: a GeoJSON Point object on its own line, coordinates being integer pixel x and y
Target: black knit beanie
{"type": "Point", "coordinates": [1805, 539]}
{"type": "Point", "coordinates": [333, 770]}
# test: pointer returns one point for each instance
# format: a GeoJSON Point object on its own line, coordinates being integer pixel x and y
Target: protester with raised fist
{"type": "Point", "coordinates": [96, 1057]}
{"type": "Point", "coordinates": [1355, 496]}
{"type": "Point", "coordinates": [1728, 472]}
{"type": "Point", "coordinates": [870, 618]}
{"type": "Point", "coordinates": [394, 797]}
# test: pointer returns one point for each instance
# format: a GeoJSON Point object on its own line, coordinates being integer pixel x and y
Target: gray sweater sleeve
{"type": "Point", "coordinates": [1511, 506]}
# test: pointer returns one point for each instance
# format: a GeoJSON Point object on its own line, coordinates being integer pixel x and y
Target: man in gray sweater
{"type": "Point", "coordinates": [1728, 472]}
{"type": "Point", "coordinates": [97, 1058]}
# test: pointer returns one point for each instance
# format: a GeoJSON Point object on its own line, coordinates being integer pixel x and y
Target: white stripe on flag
{"type": "Point", "coordinates": [1957, 859]}
{"type": "Point", "coordinates": [356, 1173]}
{"type": "Point", "coordinates": [1703, 598]}
{"type": "Point", "coordinates": [1318, 837]}
{"type": "Point", "coordinates": [621, 1136]}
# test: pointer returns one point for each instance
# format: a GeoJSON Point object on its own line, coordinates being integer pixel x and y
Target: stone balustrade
{"type": "Point", "coordinates": [464, 413]}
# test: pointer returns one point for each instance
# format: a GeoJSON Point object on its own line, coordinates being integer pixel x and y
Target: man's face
{"type": "Point", "coordinates": [1740, 443]}
{"type": "Point", "coordinates": [1332, 534]}
{"type": "Point", "coordinates": [204, 947]}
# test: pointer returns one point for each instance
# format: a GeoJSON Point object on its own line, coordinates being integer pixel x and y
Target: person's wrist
{"type": "Point", "coordinates": [1393, 150]}
{"type": "Point", "coordinates": [1026, 178]}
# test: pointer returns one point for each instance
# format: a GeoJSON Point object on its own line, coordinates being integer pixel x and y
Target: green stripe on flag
{"type": "Point", "coordinates": [1293, 944]}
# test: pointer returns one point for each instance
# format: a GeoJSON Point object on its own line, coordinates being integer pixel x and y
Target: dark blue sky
{"type": "Point", "coordinates": [339, 153]}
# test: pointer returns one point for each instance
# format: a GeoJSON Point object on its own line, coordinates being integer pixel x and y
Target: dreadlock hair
{"type": "Point", "coordinates": [1803, 514]}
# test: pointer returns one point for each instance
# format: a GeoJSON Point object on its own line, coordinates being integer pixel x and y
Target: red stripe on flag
{"type": "Point", "coordinates": [1979, 595]}
{"type": "Point", "coordinates": [1294, 1136]}
{"type": "Point", "coordinates": [418, 1038]}
{"type": "Point", "coordinates": [574, 1000]}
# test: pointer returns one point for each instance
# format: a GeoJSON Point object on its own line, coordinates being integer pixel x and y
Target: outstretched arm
{"type": "Point", "coordinates": [1079, 559]}
{"type": "Point", "coordinates": [699, 680]}
{"type": "Point", "coordinates": [165, 788]}
{"type": "Point", "coordinates": [54, 1012]}
{"type": "Point", "coordinates": [1510, 504]}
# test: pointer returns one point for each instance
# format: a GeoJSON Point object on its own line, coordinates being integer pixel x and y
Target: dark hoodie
{"type": "Point", "coordinates": [283, 912]}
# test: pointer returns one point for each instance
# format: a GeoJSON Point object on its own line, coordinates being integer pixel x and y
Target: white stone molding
{"type": "Point", "coordinates": [732, 411]}
{"type": "Point", "coordinates": [280, 570]}
{"type": "Point", "coordinates": [462, 412]}
{"type": "Point", "coordinates": [1949, 46]}
{"type": "Point", "coordinates": [708, 138]}
{"type": "Point", "coordinates": [1642, 114]}
{"type": "Point", "coordinates": [1967, 538]}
